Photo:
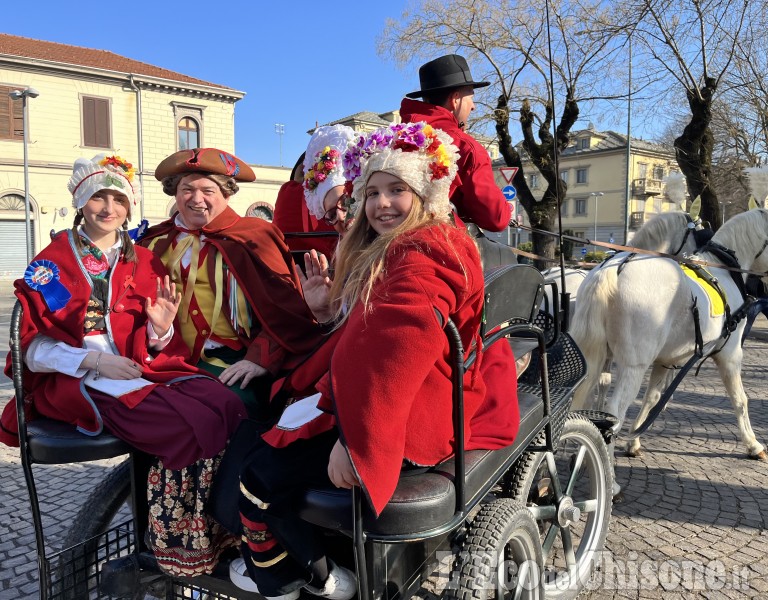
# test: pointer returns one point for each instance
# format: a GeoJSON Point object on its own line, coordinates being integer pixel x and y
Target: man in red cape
{"type": "Point", "coordinates": [242, 315]}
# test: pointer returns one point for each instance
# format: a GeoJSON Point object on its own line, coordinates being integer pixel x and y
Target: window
{"type": "Point", "coordinates": [11, 115]}
{"type": "Point", "coordinates": [658, 172]}
{"type": "Point", "coordinates": [260, 210]}
{"type": "Point", "coordinates": [584, 143]}
{"type": "Point", "coordinates": [581, 206]}
{"type": "Point", "coordinates": [642, 170]}
{"type": "Point", "coordinates": [534, 182]}
{"type": "Point", "coordinates": [564, 207]}
{"type": "Point", "coordinates": [581, 175]}
{"type": "Point", "coordinates": [189, 134]}
{"type": "Point", "coordinates": [564, 176]}
{"type": "Point", "coordinates": [97, 122]}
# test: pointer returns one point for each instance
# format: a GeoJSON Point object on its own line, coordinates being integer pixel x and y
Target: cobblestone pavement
{"type": "Point", "coordinates": [693, 523]}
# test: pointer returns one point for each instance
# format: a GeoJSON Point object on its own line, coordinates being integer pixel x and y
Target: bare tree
{"type": "Point", "coordinates": [695, 43]}
{"type": "Point", "coordinates": [510, 42]}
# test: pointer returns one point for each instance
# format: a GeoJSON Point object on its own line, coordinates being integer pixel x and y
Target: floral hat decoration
{"type": "Point", "coordinates": [322, 164]}
{"type": "Point", "coordinates": [101, 173]}
{"type": "Point", "coordinates": [422, 156]}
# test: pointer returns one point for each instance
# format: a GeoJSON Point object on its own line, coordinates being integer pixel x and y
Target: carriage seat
{"type": "Point", "coordinates": [425, 500]}
{"type": "Point", "coordinates": [54, 442]}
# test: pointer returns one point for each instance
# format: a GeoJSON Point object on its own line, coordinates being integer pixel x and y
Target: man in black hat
{"type": "Point", "coordinates": [447, 89]}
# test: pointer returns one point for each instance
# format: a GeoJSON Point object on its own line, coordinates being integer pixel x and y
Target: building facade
{"type": "Point", "coordinates": [594, 166]}
{"type": "Point", "coordinates": [94, 102]}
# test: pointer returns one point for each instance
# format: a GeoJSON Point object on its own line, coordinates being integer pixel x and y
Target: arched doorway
{"type": "Point", "coordinates": [13, 249]}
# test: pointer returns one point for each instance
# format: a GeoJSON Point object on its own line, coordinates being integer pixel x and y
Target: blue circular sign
{"type": "Point", "coordinates": [583, 251]}
{"type": "Point", "coordinates": [509, 192]}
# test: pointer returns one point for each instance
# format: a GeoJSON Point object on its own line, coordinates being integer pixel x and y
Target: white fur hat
{"type": "Point", "coordinates": [322, 164]}
{"type": "Point", "coordinates": [422, 156]}
{"type": "Point", "coordinates": [101, 173]}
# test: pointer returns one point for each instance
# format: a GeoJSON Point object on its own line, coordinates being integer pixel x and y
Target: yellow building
{"type": "Point", "coordinates": [594, 166]}
{"type": "Point", "coordinates": [91, 102]}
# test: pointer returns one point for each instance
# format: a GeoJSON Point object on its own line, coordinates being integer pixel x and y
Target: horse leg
{"type": "Point", "coordinates": [604, 382]}
{"type": "Point", "coordinates": [628, 382]}
{"type": "Point", "coordinates": [659, 381]}
{"type": "Point", "coordinates": [729, 366]}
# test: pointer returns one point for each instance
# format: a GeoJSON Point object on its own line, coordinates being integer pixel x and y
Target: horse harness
{"type": "Point", "coordinates": [730, 323]}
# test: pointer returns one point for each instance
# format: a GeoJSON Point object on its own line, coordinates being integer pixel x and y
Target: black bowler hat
{"type": "Point", "coordinates": [444, 73]}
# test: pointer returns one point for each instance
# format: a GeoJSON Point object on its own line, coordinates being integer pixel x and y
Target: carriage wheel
{"type": "Point", "coordinates": [569, 495]}
{"type": "Point", "coordinates": [501, 556]}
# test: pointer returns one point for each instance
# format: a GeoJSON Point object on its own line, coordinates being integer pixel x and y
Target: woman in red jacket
{"type": "Point", "coordinates": [402, 271]}
{"type": "Point", "coordinates": [100, 353]}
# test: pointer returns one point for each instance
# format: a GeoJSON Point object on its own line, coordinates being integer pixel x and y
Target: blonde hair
{"type": "Point", "coordinates": [361, 255]}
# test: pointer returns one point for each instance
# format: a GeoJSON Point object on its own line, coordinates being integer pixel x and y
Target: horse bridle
{"type": "Point", "coordinates": [690, 227]}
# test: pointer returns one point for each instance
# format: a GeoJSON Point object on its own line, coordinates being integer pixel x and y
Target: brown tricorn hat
{"type": "Point", "coordinates": [206, 161]}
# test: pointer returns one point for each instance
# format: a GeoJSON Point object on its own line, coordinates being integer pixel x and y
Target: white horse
{"type": "Point", "coordinates": [640, 311]}
{"type": "Point", "coordinates": [674, 232]}
{"type": "Point", "coordinates": [671, 233]}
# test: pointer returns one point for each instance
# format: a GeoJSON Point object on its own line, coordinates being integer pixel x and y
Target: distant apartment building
{"type": "Point", "coordinates": [594, 166]}
{"type": "Point", "coordinates": [92, 102]}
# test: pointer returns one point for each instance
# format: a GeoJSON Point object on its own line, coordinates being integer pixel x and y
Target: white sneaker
{"type": "Point", "coordinates": [340, 585]}
{"type": "Point", "coordinates": [238, 573]}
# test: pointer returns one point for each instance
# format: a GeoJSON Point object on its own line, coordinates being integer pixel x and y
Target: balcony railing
{"type": "Point", "coordinates": [647, 187]}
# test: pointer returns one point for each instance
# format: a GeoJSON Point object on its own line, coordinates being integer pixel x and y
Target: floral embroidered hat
{"type": "Point", "coordinates": [322, 164]}
{"type": "Point", "coordinates": [422, 156]}
{"type": "Point", "coordinates": [102, 173]}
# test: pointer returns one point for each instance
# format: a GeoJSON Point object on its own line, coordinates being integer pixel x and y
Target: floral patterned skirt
{"type": "Point", "coordinates": [185, 540]}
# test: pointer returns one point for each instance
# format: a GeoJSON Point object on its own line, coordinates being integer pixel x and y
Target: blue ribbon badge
{"type": "Point", "coordinates": [43, 276]}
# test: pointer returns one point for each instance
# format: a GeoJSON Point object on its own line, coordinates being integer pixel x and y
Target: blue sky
{"type": "Point", "coordinates": [299, 62]}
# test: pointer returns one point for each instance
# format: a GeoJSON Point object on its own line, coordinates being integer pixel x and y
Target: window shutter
{"type": "Point", "coordinates": [96, 123]}
{"type": "Point", "coordinates": [11, 116]}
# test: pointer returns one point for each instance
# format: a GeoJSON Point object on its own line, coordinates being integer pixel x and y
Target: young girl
{"type": "Point", "coordinates": [402, 271]}
{"type": "Point", "coordinates": [100, 353]}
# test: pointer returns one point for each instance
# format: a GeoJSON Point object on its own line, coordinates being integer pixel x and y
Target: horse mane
{"type": "Point", "coordinates": [662, 233]}
{"type": "Point", "coordinates": [744, 233]}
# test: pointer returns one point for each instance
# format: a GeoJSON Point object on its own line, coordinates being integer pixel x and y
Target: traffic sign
{"type": "Point", "coordinates": [511, 210]}
{"type": "Point", "coordinates": [508, 173]}
{"type": "Point", "coordinates": [509, 192]}
{"type": "Point", "coordinates": [584, 251]}
{"type": "Point", "coordinates": [610, 241]}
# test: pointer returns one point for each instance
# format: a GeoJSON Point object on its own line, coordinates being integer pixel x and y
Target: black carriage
{"type": "Point", "coordinates": [525, 521]}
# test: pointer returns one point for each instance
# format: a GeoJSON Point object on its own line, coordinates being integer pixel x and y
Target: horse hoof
{"type": "Point", "coordinates": [618, 498]}
{"type": "Point", "coordinates": [762, 455]}
{"type": "Point", "coordinates": [634, 453]}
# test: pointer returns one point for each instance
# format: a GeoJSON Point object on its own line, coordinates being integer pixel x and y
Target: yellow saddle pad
{"type": "Point", "coordinates": [716, 303]}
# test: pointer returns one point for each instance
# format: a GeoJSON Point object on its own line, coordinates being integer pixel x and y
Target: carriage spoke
{"type": "Point", "coordinates": [576, 469]}
{"type": "Point", "coordinates": [552, 466]}
{"type": "Point", "coordinates": [570, 557]}
{"type": "Point", "coordinates": [549, 540]}
{"type": "Point", "coordinates": [522, 580]}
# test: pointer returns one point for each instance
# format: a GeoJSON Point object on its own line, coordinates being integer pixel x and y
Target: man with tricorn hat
{"type": "Point", "coordinates": [447, 89]}
{"type": "Point", "coordinates": [242, 314]}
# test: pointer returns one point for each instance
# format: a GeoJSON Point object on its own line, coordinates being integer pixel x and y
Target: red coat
{"type": "Point", "coordinates": [60, 396]}
{"type": "Point", "coordinates": [474, 192]}
{"type": "Point", "coordinates": [292, 216]}
{"type": "Point", "coordinates": [389, 383]}
{"type": "Point", "coordinates": [256, 254]}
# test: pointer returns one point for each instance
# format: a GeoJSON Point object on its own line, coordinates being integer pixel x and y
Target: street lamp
{"type": "Point", "coordinates": [596, 195]}
{"type": "Point", "coordinates": [280, 130]}
{"type": "Point", "coordinates": [23, 95]}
